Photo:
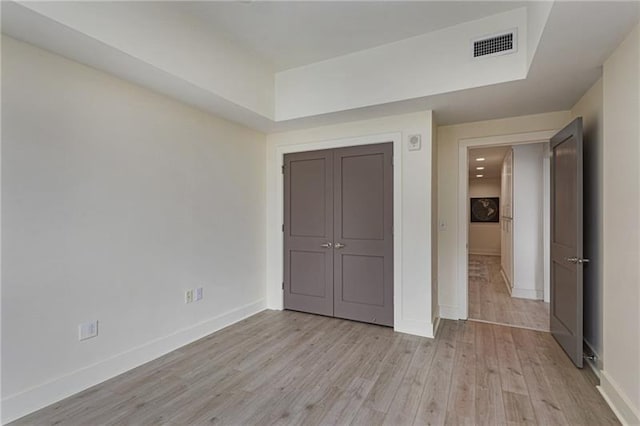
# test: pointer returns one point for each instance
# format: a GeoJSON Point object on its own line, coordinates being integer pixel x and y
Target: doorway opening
{"type": "Point", "coordinates": [523, 263]}
{"type": "Point", "coordinates": [508, 204]}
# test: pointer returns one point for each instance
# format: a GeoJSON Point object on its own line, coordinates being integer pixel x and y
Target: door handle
{"type": "Point", "coordinates": [326, 245]}
{"type": "Point", "coordinates": [577, 260]}
{"type": "Point", "coordinates": [339, 245]}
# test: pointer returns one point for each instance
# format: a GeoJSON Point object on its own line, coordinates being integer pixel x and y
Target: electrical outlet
{"type": "Point", "coordinates": [88, 330]}
{"type": "Point", "coordinates": [199, 293]}
{"type": "Point", "coordinates": [188, 296]}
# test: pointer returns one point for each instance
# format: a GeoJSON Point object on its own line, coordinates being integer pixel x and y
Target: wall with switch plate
{"type": "Point", "coordinates": [448, 148]}
{"type": "Point", "coordinates": [116, 201]}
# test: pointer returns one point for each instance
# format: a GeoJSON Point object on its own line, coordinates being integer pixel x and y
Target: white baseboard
{"type": "Point", "coordinates": [23, 403]}
{"type": "Point", "coordinates": [417, 328]}
{"type": "Point", "coordinates": [525, 293]}
{"type": "Point", "coordinates": [449, 312]}
{"type": "Point", "coordinates": [619, 402]}
{"type": "Point", "coordinates": [436, 326]}
{"type": "Point", "coordinates": [484, 253]}
{"type": "Point", "coordinates": [506, 280]}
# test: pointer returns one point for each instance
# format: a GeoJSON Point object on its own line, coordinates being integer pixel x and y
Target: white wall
{"type": "Point", "coordinates": [115, 201]}
{"type": "Point", "coordinates": [448, 140]}
{"type": "Point", "coordinates": [528, 215]}
{"type": "Point", "coordinates": [484, 238]}
{"type": "Point", "coordinates": [173, 42]}
{"type": "Point", "coordinates": [435, 314]}
{"type": "Point", "coordinates": [621, 231]}
{"type": "Point", "coordinates": [589, 107]}
{"type": "Point", "coordinates": [394, 71]}
{"type": "Point", "coordinates": [413, 310]}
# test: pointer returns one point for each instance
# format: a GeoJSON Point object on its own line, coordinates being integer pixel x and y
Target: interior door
{"type": "Point", "coordinates": [308, 232]}
{"type": "Point", "coordinates": [566, 240]}
{"type": "Point", "coordinates": [363, 233]}
{"type": "Point", "coordinates": [338, 233]}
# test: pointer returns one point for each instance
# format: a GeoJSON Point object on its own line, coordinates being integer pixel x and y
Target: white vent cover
{"type": "Point", "coordinates": [494, 45]}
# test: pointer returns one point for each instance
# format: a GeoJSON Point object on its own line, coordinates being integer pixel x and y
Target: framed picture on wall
{"type": "Point", "coordinates": [485, 209]}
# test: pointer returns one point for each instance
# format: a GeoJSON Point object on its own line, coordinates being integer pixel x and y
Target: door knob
{"type": "Point", "coordinates": [339, 245]}
{"type": "Point", "coordinates": [326, 245]}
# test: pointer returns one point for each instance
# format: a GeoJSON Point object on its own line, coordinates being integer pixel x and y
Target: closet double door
{"type": "Point", "coordinates": [338, 233]}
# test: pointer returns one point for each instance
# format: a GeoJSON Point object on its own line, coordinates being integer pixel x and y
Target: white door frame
{"type": "Point", "coordinates": [396, 139]}
{"type": "Point", "coordinates": [463, 206]}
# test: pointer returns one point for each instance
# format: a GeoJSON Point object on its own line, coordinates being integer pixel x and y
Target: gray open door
{"type": "Point", "coordinates": [566, 240]}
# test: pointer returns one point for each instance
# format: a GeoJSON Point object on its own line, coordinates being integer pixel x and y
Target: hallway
{"type": "Point", "coordinates": [489, 299]}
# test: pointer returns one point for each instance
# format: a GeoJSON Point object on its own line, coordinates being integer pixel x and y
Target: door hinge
{"type": "Point", "coordinates": [283, 169]}
{"type": "Point", "coordinates": [283, 285]}
{"type": "Point", "coordinates": [283, 227]}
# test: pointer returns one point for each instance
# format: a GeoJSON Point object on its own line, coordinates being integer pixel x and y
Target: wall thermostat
{"type": "Point", "coordinates": [415, 142]}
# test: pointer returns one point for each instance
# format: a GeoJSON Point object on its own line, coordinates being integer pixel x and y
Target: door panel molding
{"type": "Point", "coordinates": [309, 208]}
{"type": "Point", "coordinates": [400, 323]}
{"type": "Point", "coordinates": [357, 177]}
{"type": "Point", "coordinates": [338, 261]}
{"type": "Point", "coordinates": [567, 240]}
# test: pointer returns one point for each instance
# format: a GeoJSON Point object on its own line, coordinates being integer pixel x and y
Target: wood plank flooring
{"type": "Point", "coordinates": [289, 368]}
{"type": "Point", "coordinates": [489, 299]}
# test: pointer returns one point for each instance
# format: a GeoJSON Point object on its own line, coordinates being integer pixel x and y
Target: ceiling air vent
{"type": "Point", "coordinates": [498, 44]}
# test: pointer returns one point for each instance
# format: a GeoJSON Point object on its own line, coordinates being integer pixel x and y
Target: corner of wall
{"type": "Point", "coordinates": [621, 406]}
{"type": "Point", "coordinates": [21, 404]}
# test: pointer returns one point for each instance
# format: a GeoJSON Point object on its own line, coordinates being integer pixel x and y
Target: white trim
{"type": "Point", "coordinates": [23, 403]}
{"type": "Point", "coordinates": [449, 312]}
{"type": "Point", "coordinates": [483, 253]}
{"type": "Point", "coordinates": [546, 223]}
{"type": "Point", "coordinates": [508, 325]}
{"type": "Point", "coordinates": [619, 402]}
{"type": "Point", "coordinates": [463, 209]}
{"type": "Point", "coordinates": [436, 326]}
{"type": "Point", "coordinates": [414, 327]}
{"type": "Point", "coordinates": [525, 293]}
{"type": "Point", "coordinates": [405, 326]}
{"type": "Point", "coordinates": [506, 281]}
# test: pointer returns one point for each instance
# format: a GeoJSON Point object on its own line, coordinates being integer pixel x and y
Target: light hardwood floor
{"type": "Point", "coordinates": [489, 299]}
{"type": "Point", "coordinates": [294, 368]}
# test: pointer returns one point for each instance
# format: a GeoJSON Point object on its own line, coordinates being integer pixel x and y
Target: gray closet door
{"type": "Point", "coordinates": [566, 240]}
{"type": "Point", "coordinates": [363, 233]}
{"type": "Point", "coordinates": [308, 232]}
{"type": "Point", "coordinates": [338, 224]}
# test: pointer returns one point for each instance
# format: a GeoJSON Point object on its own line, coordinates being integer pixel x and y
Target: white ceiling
{"type": "Point", "coordinates": [576, 40]}
{"type": "Point", "coordinates": [291, 34]}
{"type": "Point", "coordinates": [492, 162]}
